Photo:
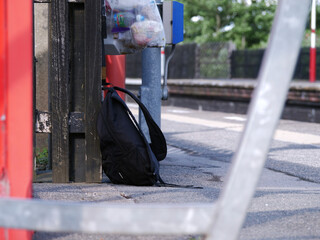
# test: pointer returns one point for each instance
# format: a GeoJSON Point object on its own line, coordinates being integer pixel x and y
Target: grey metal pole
{"type": "Point", "coordinates": [150, 90]}
{"type": "Point", "coordinates": [264, 113]}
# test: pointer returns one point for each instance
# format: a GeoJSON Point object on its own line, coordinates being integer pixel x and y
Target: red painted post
{"type": "Point", "coordinates": [313, 53]}
{"type": "Point", "coordinates": [116, 71]}
{"type": "Point", "coordinates": [16, 104]}
{"type": "Point", "coordinates": [312, 66]}
{"type": "Point", "coordinates": [4, 184]}
{"type": "Point", "coordinates": [3, 177]}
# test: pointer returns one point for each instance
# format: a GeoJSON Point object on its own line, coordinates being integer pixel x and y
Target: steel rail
{"type": "Point", "coordinates": [54, 216]}
{"type": "Point", "coordinates": [264, 113]}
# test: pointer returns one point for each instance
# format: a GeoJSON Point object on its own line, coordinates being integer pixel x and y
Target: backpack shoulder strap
{"type": "Point", "coordinates": [158, 141]}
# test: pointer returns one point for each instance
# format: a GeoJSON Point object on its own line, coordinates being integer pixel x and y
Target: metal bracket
{"type": "Point", "coordinates": [76, 122]}
{"type": "Point", "coordinates": [44, 124]}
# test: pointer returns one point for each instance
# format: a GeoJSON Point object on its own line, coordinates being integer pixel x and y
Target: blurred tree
{"type": "Point", "coordinates": [246, 24]}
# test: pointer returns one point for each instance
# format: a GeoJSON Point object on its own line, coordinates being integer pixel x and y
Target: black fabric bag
{"type": "Point", "coordinates": [127, 157]}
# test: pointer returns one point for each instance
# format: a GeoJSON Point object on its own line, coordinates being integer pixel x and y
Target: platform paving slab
{"type": "Point", "coordinates": [286, 204]}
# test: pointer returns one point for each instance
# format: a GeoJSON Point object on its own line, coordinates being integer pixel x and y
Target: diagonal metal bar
{"type": "Point", "coordinates": [100, 218]}
{"type": "Point", "coordinates": [249, 159]}
{"type": "Point", "coordinates": [263, 116]}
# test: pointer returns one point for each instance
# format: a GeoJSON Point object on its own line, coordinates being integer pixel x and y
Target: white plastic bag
{"type": "Point", "coordinates": [136, 23]}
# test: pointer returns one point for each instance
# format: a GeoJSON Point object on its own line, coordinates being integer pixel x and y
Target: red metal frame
{"type": "Point", "coordinates": [16, 57]}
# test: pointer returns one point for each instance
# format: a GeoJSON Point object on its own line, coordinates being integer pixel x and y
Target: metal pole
{"type": "Point", "coordinates": [137, 219]}
{"type": "Point", "coordinates": [264, 113]}
{"type": "Point", "coordinates": [150, 91]}
{"type": "Point", "coordinates": [116, 71]}
{"type": "Point", "coordinates": [313, 56]}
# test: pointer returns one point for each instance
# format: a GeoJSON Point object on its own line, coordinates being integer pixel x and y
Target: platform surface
{"type": "Point", "coordinates": [200, 149]}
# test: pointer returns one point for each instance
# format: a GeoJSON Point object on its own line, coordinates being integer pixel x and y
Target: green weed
{"type": "Point", "coordinates": [42, 159]}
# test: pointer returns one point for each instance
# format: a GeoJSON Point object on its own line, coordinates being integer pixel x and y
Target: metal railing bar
{"type": "Point", "coordinates": [54, 216]}
{"type": "Point", "coordinates": [221, 221]}
{"type": "Point", "coordinates": [263, 116]}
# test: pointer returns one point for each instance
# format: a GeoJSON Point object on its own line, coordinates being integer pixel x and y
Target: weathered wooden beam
{"type": "Point", "coordinates": [77, 79]}
{"type": "Point", "coordinates": [93, 48]}
{"type": "Point", "coordinates": [60, 89]}
{"type": "Point", "coordinates": [76, 90]}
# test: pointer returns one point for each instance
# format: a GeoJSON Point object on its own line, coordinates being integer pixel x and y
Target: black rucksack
{"type": "Point", "coordinates": [127, 157]}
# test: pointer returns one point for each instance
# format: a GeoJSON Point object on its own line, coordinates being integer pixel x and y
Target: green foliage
{"type": "Point", "coordinates": [248, 26]}
{"type": "Point", "coordinates": [42, 159]}
{"type": "Point", "coordinates": [213, 59]}
{"type": "Point", "coordinates": [307, 38]}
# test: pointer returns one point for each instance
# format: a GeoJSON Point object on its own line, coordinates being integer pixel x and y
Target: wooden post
{"type": "Point", "coordinates": [78, 86]}
{"type": "Point", "coordinates": [76, 90]}
{"type": "Point", "coordinates": [60, 93]}
{"type": "Point", "coordinates": [93, 88]}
